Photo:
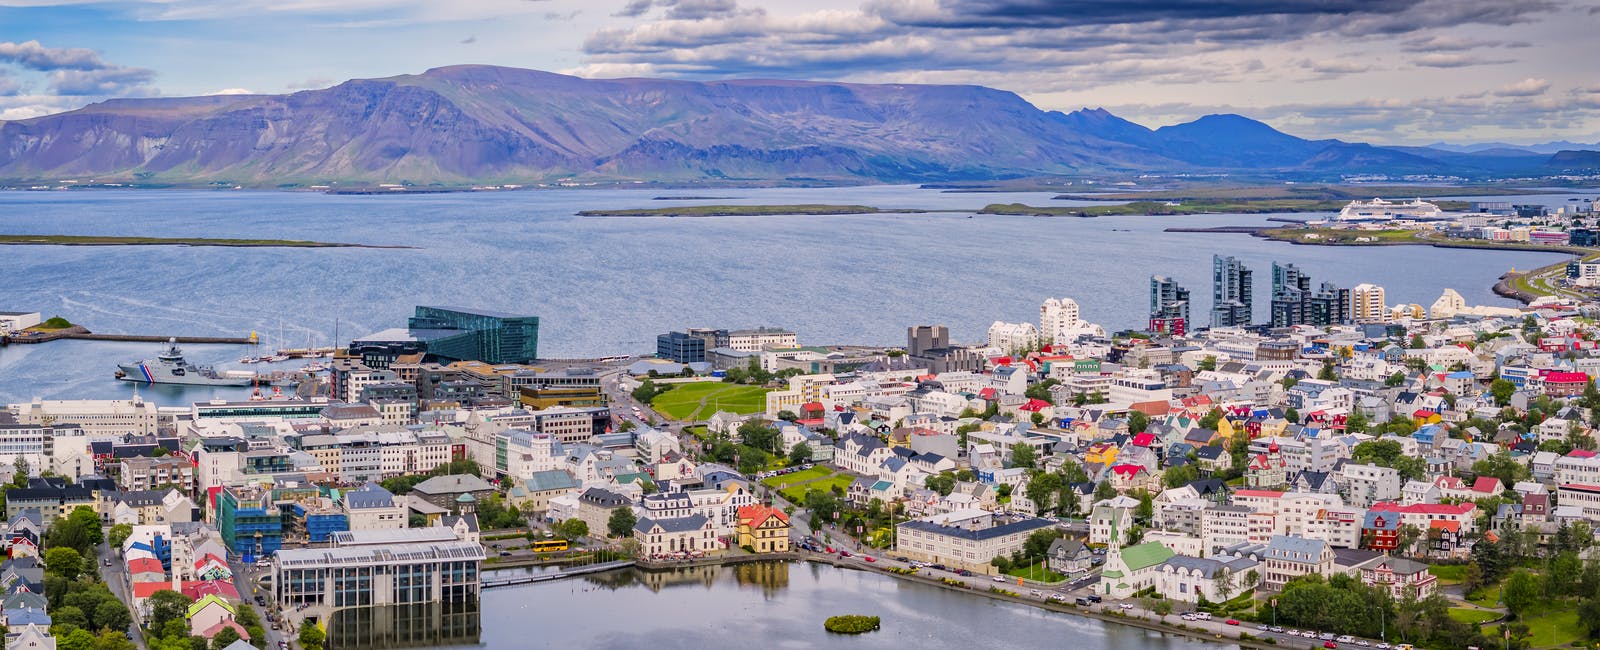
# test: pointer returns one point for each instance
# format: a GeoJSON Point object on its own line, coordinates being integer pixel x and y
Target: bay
{"type": "Point", "coordinates": [608, 285]}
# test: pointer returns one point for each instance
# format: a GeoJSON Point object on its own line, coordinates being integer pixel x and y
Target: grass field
{"type": "Point", "coordinates": [1490, 597]}
{"type": "Point", "coordinates": [797, 493]}
{"type": "Point", "coordinates": [816, 472]}
{"type": "Point", "coordinates": [1557, 628]}
{"type": "Point", "coordinates": [1450, 574]}
{"type": "Point", "coordinates": [684, 401]}
{"type": "Point", "coordinates": [1472, 616]}
{"type": "Point", "coordinates": [1036, 573]}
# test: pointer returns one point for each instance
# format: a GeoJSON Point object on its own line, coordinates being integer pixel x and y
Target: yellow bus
{"type": "Point", "coordinates": [549, 545]}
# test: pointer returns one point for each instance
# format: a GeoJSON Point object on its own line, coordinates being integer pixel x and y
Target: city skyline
{"type": "Point", "coordinates": [1389, 72]}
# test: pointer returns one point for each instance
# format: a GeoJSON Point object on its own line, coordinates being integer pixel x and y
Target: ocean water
{"type": "Point", "coordinates": [608, 285]}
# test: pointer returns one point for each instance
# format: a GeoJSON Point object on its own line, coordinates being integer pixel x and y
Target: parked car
{"type": "Point", "coordinates": [1082, 602]}
{"type": "Point", "coordinates": [902, 559]}
{"type": "Point", "coordinates": [964, 573]}
{"type": "Point", "coordinates": [1126, 605]}
{"type": "Point", "coordinates": [1346, 639]}
{"type": "Point", "coordinates": [1094, 599]}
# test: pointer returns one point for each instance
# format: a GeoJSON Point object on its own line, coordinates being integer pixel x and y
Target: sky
{"type": "Point", "coordinates": [1382, 71]}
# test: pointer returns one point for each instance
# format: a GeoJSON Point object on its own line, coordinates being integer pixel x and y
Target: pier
{"type": "Point", "coordinates": [80, 333]}
{"type": "Point", "coordinates": [557, 575]}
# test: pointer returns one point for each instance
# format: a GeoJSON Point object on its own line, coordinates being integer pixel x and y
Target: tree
{"type": "Point", "coordinates": [621, 522]}
{"type": "Point", "coordinates": [1395, 379]}
{"type": "Point", "coordinates": [1104, 491]}
{"type": "Point", "coordinates": [800, 454]}
{"type": "Point", "coordinates": [20, 478]}
{"type": "Point", "coordinates": [1417, 343]}
{"type": "Point", "coordinates": [1179, 476]}
{"type": "Point", "coordinates": [112, 640]}
{"type": "Point", "coordinates": [944, 484]}
{"type": "Point", "coordinates": [788, 416]}
{"type": "Point", "coordinates": [1292, 415]}
{"type": "Point", "coordinates": [65, 561]}
{"type": "Point", "coordinates": [756, 433]}
{"type": "Point", "coordinates": [69, 615]}
{"type": "Point", "coordinates": [1356, 422]}
{"type": "Point", "coordinates": [1589, 615]}
{"type": "Point", "coordinates": [167, 605]}
{"type": "Point", "coordinates": [1501, 390]}
{"type": "Point", "coordinates": [1042, 489]}
{"type": "Point", "coordinates": [77, 639]}
{"type": "Point", "coordinates": [1208, 363]}
{"type": "Point", "coordinates": [224, 637]}
{"type": "Point", "coordinates": [1521, 591]}
{"type": "Point", "coordinates": [311, 636]}
{"type": "Point", "coordinates": [1501, 466]}
{"type": "Point", "coordinates": [1138, 422]}
{"type": "Point", "coordinates": [1327, 372]}
{"type": "Point", "coordinates": [1210, 419]}
{"type": "Point", "coordinates": [574, 528]}
{"type": "Point", "coordinates": [112, 614]}
{"type": "Point", "coordinates": [1023, 455]}
{"type": "Point", "coordinates": [119, 534]}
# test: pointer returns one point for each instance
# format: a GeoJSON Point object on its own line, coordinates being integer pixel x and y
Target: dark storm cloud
{"type": "Point", "coordinates": [680, 9]}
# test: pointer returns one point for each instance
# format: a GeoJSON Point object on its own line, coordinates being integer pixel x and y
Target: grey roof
{"type": "Point", "coordinates": [1295, 549]}
{"type": "Point", "coordinates": [1067, 547]}
{"type": "Point", "coordinates": [449, 521]}
{"type": "Point", "coordinates": [370, 495]}
{"type": "Point", "coordinates": [1002, 530]}
{"type": "Point", "coordinates": [453, 483]}
{"type": "Point", "coordinates": [672, 525]}
{"type": "Point", "coordinates": [603, 497]}
{"type": "Point", "coordinates": [554, 479]}
{"type": "Point", "coordinates": [1209, 567]}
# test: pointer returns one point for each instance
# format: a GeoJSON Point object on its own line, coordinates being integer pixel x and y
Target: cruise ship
{"type": "Point", "coordinates": [1381, 210]}
{"type": "Point", "coordinates": [170, 368]}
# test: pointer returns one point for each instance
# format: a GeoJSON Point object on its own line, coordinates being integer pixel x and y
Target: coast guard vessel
{"type": "Point", "coordinates": [170, 368]}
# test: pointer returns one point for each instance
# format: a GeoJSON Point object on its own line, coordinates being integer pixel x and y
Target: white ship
{"type": "Point", "coordinates": [1381, 210]}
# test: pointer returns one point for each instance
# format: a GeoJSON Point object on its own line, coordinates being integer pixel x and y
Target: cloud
{"type": "Point", "coordinates": [34, 56]}
{"type": "Point", "coordinates": [231, 91]}
{"type": "Point", "coordinates": [469, 40]}
{"type": "Point", "coordinates": [1455, 44]}
{"type": "Point", "coordinates": [1529, 87]}
{"type": "Point", "coordinates": [105, 82]}
{"type": "Point", "coordinates": [562, 17]}
{"type": "Point", "coordinates": [9, 85]}
{"type": "Point", "coordinates": [1456, 61]}
{"type": "Point", "coordinates": [680, 9]}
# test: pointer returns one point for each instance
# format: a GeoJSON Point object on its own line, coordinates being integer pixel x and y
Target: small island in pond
{"type": "Point", "coordinates": [851, 624]}
{"type": "Point", "coordinates": [97, 240]}
{"type": "Point", "coordinates": [746, 211]}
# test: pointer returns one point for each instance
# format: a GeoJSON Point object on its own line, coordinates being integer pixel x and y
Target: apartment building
{"type": "Point", "coordinates": [145, 473]}
{"type": "Point", "coordinates": [964, 539]}
{"type": "Point", "coordinates": [380, 567]}
{"type": "Point", "coordinates": [97, 418]}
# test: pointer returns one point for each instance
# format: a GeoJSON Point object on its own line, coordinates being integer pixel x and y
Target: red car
{"type": "Point", "coordinates": [829, 548]}
{"type": "Point", "coordinates": [1232, 621]}
{"type": "Point", "coordinates": [868, 558]}
{"type": "Point", "coordinates": [1329, 644]}
{"type": "Point", "coordinates": [844, 553]}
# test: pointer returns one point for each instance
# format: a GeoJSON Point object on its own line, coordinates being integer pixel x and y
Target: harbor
{"type": "Point", "coordinates": [82, 333]}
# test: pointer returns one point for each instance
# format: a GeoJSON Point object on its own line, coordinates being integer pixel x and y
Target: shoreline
{"type": "Point", "coordinates": [1503, 287]}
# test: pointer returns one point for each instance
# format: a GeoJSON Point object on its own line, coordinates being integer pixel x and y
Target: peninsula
{"type": "Point", "coordinates": [97, 240]}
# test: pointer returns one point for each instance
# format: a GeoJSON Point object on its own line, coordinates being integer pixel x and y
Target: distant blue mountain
{"type": "Point", "coordinates": [485, 124]}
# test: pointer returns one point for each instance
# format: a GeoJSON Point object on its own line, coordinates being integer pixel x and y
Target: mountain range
{"type": "Point", "coordinates": [483, 124]}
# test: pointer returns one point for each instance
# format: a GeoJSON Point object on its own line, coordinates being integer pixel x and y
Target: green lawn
{"type": "Point", "coordinates": [683, 401]}
{"type": "Point", "coordinates": [1490, 597]}
{"type": "Point", "coordinates": [1472, 616]}
{"type": "Point", "coordinates": [816, 472]}
{"type": "Point", "coordinates": [1450, 574]}
{"type": "Point", "coordinates": [797, 493]}
{"type": "Point", "coordinates": [1559, 627]}
{"type": "Point", "coordinates": [1036, 573]}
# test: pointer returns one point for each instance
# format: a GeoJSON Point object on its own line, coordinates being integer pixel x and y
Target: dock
{"type": "Point", "coordinates": [81, 333]}
{"type": "Point", "coordinates": [556, 575]}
